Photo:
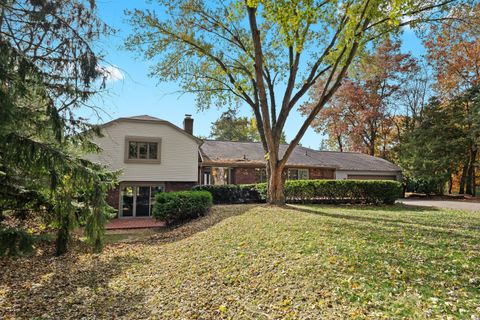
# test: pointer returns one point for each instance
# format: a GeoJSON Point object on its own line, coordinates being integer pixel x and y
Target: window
{"type": "Point", "coordinates": [138, 200]}
{"type": "Point", "coordinates": [297, 174]}
{"type": "Point", "coordinates": [207, 177]}
{"type": "Point", "coordinates": [220, 175]}
{"type": "Point", "coordinates": [261, 174]}
{"type": "Point", "coordinates": [142, 149]}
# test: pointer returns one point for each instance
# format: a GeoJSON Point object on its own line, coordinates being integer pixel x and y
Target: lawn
{"type": "Point", "coordinates": [249, 261]}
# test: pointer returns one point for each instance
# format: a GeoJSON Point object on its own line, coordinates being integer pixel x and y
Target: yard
{"type": "Point", "coordinates": [252, 261]}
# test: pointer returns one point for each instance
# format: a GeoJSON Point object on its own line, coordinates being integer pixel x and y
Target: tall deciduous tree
{"type": "Point", "coordinates": [453, 51]}
{"type": "Point", "coordinates": [47, 70]}
{"type": "Point", "coordinates": [266, 54]}
{"type": "Point", "coordinates": [362, 112]}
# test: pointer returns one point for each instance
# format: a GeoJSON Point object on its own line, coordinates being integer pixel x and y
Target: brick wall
{"type": "Point", "coordinates": [179, 186]}
{"type": "Point", "coordinates": [113, 197]}
{"type": "Point", "coordinates": [245, 176]}
{"type": "Point", "coordinates": [317, 173]}
{"type": "Point", "coordinates": [251, 175]}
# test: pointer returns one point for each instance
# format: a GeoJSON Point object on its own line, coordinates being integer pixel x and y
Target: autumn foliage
{"type": "Point", "coordinates": [362, 114]}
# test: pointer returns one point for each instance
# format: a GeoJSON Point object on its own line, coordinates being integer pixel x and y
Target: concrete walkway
{"type": "Point", "coordinates": [458, 205]}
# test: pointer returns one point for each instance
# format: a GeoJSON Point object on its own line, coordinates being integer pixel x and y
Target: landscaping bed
{"type": "Point", "coordinates": [255, 261]}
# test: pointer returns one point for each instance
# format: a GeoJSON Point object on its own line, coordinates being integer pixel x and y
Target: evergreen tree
{"type": "Point", "coordinates": [432, 150]}
{"type": "Point", "coordinates": [47, 70]}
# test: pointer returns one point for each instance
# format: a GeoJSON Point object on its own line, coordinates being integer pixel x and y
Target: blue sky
{"type": "Point", "coordinates": [132, 92]}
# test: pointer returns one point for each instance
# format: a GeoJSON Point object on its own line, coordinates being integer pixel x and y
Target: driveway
{"type": "Point", "coordinates": [458, 205]}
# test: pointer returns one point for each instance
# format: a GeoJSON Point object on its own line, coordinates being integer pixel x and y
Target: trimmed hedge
{"type": "Point", "coordinates": [181, 205]}
{"type": "Point", "coordinates": [232, 194]}
{"type": "Point", "coordinates": [339, 191]}
{"type": "Point", "coordinates": [311, 191]}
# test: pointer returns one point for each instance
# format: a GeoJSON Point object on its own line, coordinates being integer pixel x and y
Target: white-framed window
{"type": "Point", "coordinates": [207, 178]}
{"type": "Point", "coordinates": [298, 174]}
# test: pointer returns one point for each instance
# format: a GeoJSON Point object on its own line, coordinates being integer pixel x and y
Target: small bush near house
{"type": "Point", "coordinates": [339, 191]}
{"type": "Point", "coordinates": [232, 194]}
{"type": "Point", "coordinates": [181, 205]}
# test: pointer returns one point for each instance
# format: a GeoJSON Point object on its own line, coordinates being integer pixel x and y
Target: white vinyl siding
{"type": "Point", "coordinates": [178, 151]}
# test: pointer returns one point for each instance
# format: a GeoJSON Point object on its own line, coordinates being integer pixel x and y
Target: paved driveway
{"type": "Point", "coordinates": [459, 205]}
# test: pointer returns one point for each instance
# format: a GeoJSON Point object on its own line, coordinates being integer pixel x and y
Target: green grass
{"type": "Point", "coordinates": [243, 262]}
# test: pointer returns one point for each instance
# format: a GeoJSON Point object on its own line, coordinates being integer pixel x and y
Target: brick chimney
{"type": "Point", "coordinates": [188, 124]}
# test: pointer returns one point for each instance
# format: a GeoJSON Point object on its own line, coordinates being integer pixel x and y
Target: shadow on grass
{"type": "Point", "coordinates": [183, 230]}
{"type": "Point", "coordinates": [69, 287]}
{"type": "Point", "coordinates": [448, 227]}
{"type": "Point", "coordinates": [398, 207]}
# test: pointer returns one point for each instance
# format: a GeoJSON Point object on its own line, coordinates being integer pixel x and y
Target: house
{"type": "Point", "coordinates": [155, 155]}
{"type": "Point", "coordinates": [244, 163]}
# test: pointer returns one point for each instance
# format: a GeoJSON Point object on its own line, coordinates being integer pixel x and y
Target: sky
{"type": "Point", "coordinates": [130, 91]}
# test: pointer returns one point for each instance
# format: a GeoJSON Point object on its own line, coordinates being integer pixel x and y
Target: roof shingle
{"type": "Point", "coordinates": [230, 152]}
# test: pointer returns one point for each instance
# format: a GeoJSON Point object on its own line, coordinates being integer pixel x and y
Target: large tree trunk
{"type": "Point", "coordinates": [474, 182]}
{"type": "Point", "coordinates": [450, 184]}
{"type": "Point", "coordinates": [470, 173]}
{"type": "Point", "coordinates": [340, 144]}
{"type": "Point", "coordinates": [462, 178]}
{"type": "Point", "coordinates": [276, 195]}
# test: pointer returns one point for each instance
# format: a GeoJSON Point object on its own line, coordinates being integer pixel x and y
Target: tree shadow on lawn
{"type": "Point", "coordinates": [185, 229]}
{"type": "Point", "coordinates": [446, 227]}
{"type": "Point", "coordinates": [393, 258]}
{"type": "Point", "coordinates": [71, 286]}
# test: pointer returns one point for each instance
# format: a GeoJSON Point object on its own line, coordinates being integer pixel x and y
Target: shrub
{"type": "Point", "coordinates": [427, 186]}
{"type": "Point", "coordinates": [231, 193]}
{"type": "Point", "coordinates": [15, 241]}
{"type": "Point", "coordinates": [309, 191]}
{"type": "Point", "coordinates": [181, 205]}
{"type": "Point", "coordinates": [335, 191]}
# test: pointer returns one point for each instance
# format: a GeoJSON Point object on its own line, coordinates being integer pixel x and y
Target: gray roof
{"type": "Point", "coordinates": [147, 118]}
{"type": "Point", "coordinates": [252, 153]}
{"type": "Point", "coordinates": [144, 117]}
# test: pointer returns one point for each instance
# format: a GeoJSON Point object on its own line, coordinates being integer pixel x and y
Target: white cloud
{"type": "Point", "coordinates": [111, 73]}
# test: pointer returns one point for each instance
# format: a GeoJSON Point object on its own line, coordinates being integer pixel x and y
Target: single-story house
{"type": "Point", "coordinates": [156, 155]}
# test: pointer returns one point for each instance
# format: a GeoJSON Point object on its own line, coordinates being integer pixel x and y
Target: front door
{"type": "Point", "coordinates": [138, 200]}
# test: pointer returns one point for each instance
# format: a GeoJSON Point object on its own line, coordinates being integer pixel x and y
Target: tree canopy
{"type": "Point", "coordinates": [231, 127]}
{"type": "Point", "coordinates": [361, 115]}
{"type": "Point", "coordinates": [267, 54]}
{"type": "Point", "coordinates": [48, 69]}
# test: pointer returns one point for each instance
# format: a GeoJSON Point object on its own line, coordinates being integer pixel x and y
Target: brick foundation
{"type": "Point", "coordinates": [178, 186]}
{"type": "Point", "coordinates": [113, 197]}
